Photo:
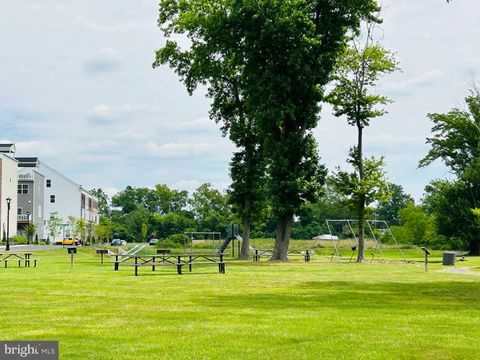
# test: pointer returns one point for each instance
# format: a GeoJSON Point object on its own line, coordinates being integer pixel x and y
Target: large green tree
{"type": "Point", "coordinates": [214, 59]}
{"type": "Point", "coordinates": [389, 210]}
{"type": "Point", "coordinates": [132, 198]}
{"type": "Point", "coordinates": [456, 142]}
{"type": "Point", "coordinates": [312, 219]}
{"type": "Point", "coordinates": [103, 201]}
{"type": "Point", "coordinates": [360, 67]}
{"type": "Point", "coordinates": [281, 53]}
{"type": "Point", "coordinates": [170, 200]}
{"type": "Point", "coordinates": [210, 209]}
{"type": "Point", "coordinates": [416, 226]}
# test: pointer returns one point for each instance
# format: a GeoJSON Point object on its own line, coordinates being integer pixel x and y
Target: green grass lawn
{"type": "Point", "coordinates": [318, 310]}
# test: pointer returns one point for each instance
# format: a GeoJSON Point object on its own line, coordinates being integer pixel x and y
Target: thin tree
{"type": "Point", "coordinates": [361, 66]}
{"type": "Point", "coordinates": [53, 225]}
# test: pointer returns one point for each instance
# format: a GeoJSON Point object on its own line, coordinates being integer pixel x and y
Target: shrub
{"type": "Point", "coordinates": [178, 238]}
{"type": "Point", "coordinates": [19, 239]}
{"type": "Point", "coordinates": [166, 244]}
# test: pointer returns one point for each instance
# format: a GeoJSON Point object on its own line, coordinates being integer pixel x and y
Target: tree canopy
{"type": "Point", "coordinates": [456, 142]}
{"type": "Point", "coordinates": [265, 62]}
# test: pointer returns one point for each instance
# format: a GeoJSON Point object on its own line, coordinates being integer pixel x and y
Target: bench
{"type": "Point", "coordinates": [155, 264]}
{"type": "Point", "coordinates": [221, 265]}
{"type": "Point", "coordinates": [259, 253]}
{"type": "Point", "coordinates": [307, 254]}
{"type": "Point", "coordinates": [179, 261]}
{"type": "Point", "coordinates": [25, 261]}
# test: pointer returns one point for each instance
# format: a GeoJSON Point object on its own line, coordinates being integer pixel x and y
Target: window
{"type": "Point", "coordinates": [22, 189]}
{"type": "Point", "coordinates": [52, 199]}
{"type": "Point", "coordinates": [53, 215]}
{"type": "Point", "coordinates": [19, 211]}
{"type": "Point", "coordinates": [49, 183]}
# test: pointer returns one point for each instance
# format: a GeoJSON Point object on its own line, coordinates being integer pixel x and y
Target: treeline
{"type": "Point", "coordinates": [138, 214]}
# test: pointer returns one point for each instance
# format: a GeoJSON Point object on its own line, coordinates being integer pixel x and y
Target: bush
{"type": "Point", "coordinates": [167, 244]}
{"type": "Point", "coordinates": [173, 241]}
{"type": "Point", "coordinates": [178, 238]}
{"type": "Point", "coordinates": [19, 239]}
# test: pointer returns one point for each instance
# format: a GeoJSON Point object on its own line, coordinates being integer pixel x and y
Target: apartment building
{"type": "Point", "coordinates": [30, 193]}
{"type": "Point", "coordinates": [8, 190]}
{"type": "Point", "coordinates": [62, 197]}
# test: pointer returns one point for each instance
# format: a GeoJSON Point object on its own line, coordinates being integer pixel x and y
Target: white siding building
{"type": "Point", "coordinates": [8, 189]}
{"type": "Point", "coordinates": [62, 197]}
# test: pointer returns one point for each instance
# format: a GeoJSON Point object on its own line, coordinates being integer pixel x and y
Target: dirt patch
{"type": "Point", "coordinates": [472, 270]}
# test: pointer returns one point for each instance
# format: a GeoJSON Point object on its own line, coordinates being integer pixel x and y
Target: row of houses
{"type": "Point", "coordinates": [35, 193]}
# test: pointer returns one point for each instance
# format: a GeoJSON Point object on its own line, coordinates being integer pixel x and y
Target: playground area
{"type": "Point", "coordinates": [339, 245]}
{"type": "Point", "coordinates": [264, 310]}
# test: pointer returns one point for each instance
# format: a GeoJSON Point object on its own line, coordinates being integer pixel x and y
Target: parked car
{"type": "Point", "coordinates": [118, 242]}
{"type": "Point", "coordinates": [67, 242]}
{"type": "Point", "coordinates": [153, 241]}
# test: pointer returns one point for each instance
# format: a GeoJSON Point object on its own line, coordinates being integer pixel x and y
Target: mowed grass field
{"type": "Point", "coordinates": [295, 310]}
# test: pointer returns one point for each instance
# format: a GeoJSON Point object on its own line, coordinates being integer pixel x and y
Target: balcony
{"type": "Point", "coordinates": [23, 217]}
{"type": "Point", "coordinates": [27, 176]}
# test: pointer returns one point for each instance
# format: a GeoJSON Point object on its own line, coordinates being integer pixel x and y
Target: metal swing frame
{"type": "Point", "coordinates": [370, 226]}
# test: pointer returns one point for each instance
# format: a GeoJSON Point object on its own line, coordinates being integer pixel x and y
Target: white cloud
{"type": "Point", "coordinates": [189, 185]}
{"type": "Point", "coordinates": [104, 114]}
{"type": "Point", "coordinates": [128, 135]}
{"type": "Point", "coordinates": [102, 111]}
{"type": "Point", "coordinates": [118, 27]}
{"type": "Point", "coordinates": [180, 149]}
{"type": "Point", "coordinates": [104, 61]}
{"type": "Point", "coordinates": [411, 86]}
{"type": "Point", "coordinates": [111, 191]}
{"type": "Point", "coordinates": [36, 148]}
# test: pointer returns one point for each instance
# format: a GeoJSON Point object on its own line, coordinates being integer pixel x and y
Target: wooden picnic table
{"type": "Point", "coordinates": [177, 260]}
{"type": "Point", "coordinates": [25, 257]}
{"type": "Point", "coordinates": [307, 254]}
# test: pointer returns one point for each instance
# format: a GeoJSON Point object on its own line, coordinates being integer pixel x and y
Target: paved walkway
{"type": "Point", "coordinates": [30, 247]}
{"type": "Point", "coordinates": [462, 270]}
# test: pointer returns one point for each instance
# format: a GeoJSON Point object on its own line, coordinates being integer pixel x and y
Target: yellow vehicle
{"type": "Point", "coordinates": [67, 242]}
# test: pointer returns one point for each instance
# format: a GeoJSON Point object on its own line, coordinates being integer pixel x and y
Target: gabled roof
{"type": "Point", "coordinates": [7, 148]}
{"type": "Point", "coordinates": [27, 161]}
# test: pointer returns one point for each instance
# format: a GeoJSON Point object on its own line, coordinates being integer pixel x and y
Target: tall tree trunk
{"type": "Point", "coordinates": [284, 230]}
{"type": "Point", "coordinates": [361, 199]}
{"type": "Point", "coordinates": [361, 230]}
{"type": "Point", "coordinates": [245, 249]}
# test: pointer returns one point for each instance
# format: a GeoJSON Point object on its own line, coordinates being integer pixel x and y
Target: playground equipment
{"type": "Point", "coordinates": [347, 229]}
{"type": "Point", "coordinates": [382, 226]}
{"type": "Point", "coordinates": [131, 252]}
{"type": "Point", "coordinates": [232, 235]}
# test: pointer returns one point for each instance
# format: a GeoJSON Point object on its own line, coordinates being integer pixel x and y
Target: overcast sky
{"type": "Point", "coordinates": [77, 90]}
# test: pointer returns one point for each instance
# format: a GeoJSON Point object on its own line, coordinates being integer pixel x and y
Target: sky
{"type": "Point", "coordinates": [78, 91]}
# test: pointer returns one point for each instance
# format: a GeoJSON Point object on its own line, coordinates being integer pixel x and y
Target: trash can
{"type": "Point", "coordinates": [448, 258]}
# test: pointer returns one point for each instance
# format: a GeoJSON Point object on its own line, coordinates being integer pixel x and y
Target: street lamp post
{"type": "Point", "coordinates": [28, 227]}
{"type": "Point", "coordinates": [7, 247]}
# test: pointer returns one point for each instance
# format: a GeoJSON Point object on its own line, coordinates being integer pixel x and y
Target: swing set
{"type": "Point", "coordinates": [347, 230]}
